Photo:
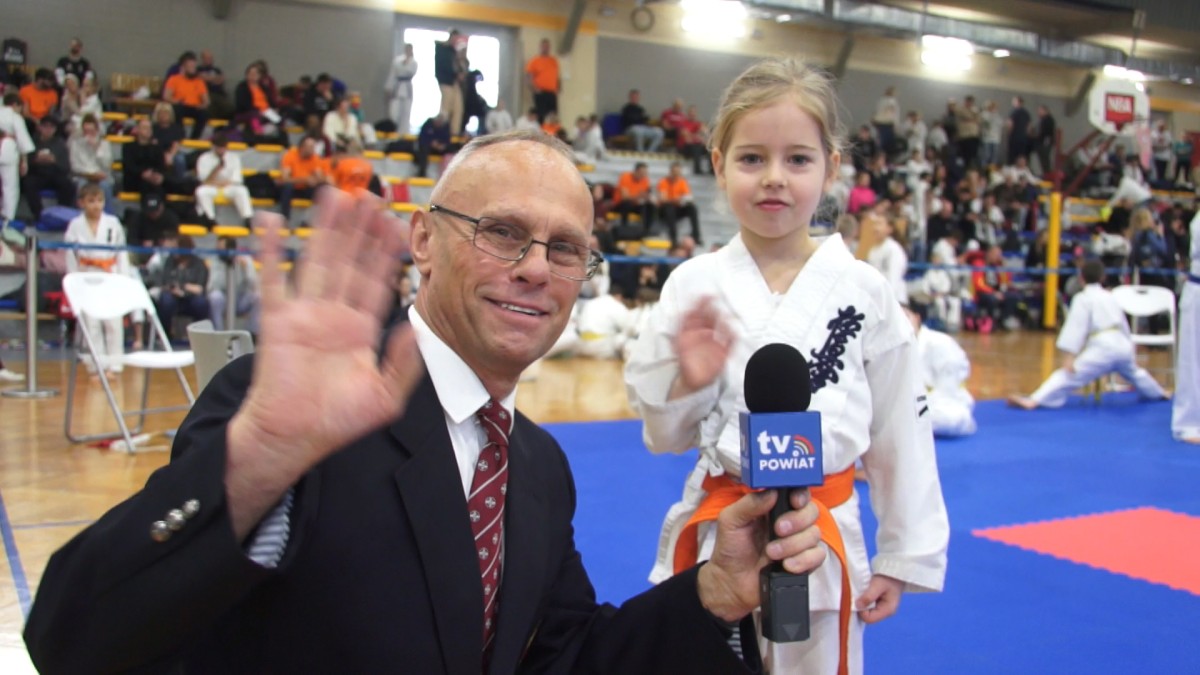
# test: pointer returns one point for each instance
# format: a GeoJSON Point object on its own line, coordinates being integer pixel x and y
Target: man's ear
{"type": "Point", "coordinates": [419, 243]}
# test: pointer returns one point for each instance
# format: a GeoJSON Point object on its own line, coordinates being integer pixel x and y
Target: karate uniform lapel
{"type": "Point", "coordinates": [431, 489]}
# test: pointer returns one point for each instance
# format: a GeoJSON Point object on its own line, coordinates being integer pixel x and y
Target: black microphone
{"type": "Point", "coordinates": [781, 449]}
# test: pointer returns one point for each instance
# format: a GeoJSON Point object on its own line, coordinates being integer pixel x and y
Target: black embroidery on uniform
{"type": "Point", "coordinates": [825, 363]}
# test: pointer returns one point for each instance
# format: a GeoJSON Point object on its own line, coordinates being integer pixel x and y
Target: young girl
{"type": "Point", "coordinates": [775, 148]}
{"type": "Point", "coordinates": [94, 226]}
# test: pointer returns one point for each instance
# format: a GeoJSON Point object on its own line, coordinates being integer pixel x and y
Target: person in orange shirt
{"type": "Point", "coordinates": [301, 172]}
{"type": "Point", "coordinates": [40, 97]}
{"type": "Point", "coordinates": [352, 172]}
{"type": "Point", "coordinates": [188, 92]}
{"type": "Point", "coordinates": [551, 125]}
{"type": "Point", "coordinates": [634, 196]}
{"type": "Point", "coordinates": [541, 74]}
{"type": "Point", "coordinates": [675, 202]}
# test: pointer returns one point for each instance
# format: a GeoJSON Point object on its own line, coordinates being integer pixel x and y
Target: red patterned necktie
{"type": "Point", "coordinates": [486, 507]}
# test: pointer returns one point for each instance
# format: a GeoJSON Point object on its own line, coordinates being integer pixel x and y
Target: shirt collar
{"type": "Point", "coordinates": [459, 389]}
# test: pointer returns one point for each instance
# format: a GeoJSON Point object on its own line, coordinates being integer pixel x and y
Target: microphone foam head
{"type": "Point", "coordinates": [777, 380]}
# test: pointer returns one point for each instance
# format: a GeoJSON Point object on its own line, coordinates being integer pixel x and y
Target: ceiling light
{"type": "Point", "coordinates": [944, 53]}
{"type": "Point", "coordinates": [1122, 73]}
{"type": "Point", "coordinates": [783, 18]}
{"type": "Point", "coordinates": [1001, 53]}
{"type": "Point", "coordinates": [1187, 80]}
{"type": "Point", "coordinates": [715, 18]}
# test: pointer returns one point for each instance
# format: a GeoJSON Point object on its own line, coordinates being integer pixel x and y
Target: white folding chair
{"type": "Point", "coordinates": [1147, 301]}
{"type": "Point", "coordinates": [103, 296]}
{"type": "Point", "coordinates": [215, 348]}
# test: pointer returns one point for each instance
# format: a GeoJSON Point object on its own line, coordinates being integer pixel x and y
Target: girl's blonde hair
{"type": "Point", "coordinates": [161, 107]}
{"type": "Point", "coordinates": [769, 80]}
{"type": "Point", "coordinates": [1141, 219]}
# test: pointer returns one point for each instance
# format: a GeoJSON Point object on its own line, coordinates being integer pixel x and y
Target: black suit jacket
{"type": "Point", "coordinates": [379, 574]}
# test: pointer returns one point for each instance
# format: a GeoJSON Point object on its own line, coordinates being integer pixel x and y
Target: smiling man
{"type": "Point", "coordinates": [326, 510]}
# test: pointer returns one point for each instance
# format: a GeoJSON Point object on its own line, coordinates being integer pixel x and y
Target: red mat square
{"type": "Point", "coordinates": [1150, 544]}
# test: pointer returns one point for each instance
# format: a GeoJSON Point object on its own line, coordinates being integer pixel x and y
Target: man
{"type": "Point", "coordinates": [74, 64]}
{"type": "Point", "coordinates": [188, 92]}
{"type": "Point", "coordinates": [220, 173]}
{"type": "Point", "coordinates": [1043, 140]}
{"type": "Point", "coordinates": [15, 146]}
{"type": "Point", "coordinates": [1018, 130]}
{"type": "Point", "coordinates": [330, 518]}
{"type": "Point", "coordinates": [1095, 341]}
{"type": "Point", "coordinates": [214, 78]}
{"type": "Point", "coordinates": [675, 201]}
{"type": "Point", "coordinates": [541, 74]}
{"type": "Point", "coordinates": [39, 97]}
{"type": "Point", "coordinates": [636, 123]}
{"type": "Point", "coordinates": [49, 169]}
{"type": "Point", "coordinates": [301, 172]}
{"type": "Point", "coordinates": [633, 195]}
{"type": "Point", "coordinates": [400, 89]}
{"type": "Point", "coordinates": [245, 287]}
{"type": "Point", "coordinates": [155, 223]}
{"type": "Point", "coordinates": [915, 132]}
{"type": "Point", "coordinates": [319, 99]}
{"type": "Point", "coordinates": [433, 139]}
{"type": "Point", "coordinates": [144, 162]}
{"type": "Point", "coordinates": [672, 119]}
{"type": "Point", "coordinates": [448, 71]}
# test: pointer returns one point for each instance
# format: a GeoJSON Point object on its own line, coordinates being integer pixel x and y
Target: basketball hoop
{"type": "Point", "coordinates": [1117, 107]}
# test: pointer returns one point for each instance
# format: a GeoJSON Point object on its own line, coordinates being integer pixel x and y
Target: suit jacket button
{"type": "Point", "coordinates": [191, 507]}
{"type": "Point", "coordinates": [160, 531]}
{"type": "Point", "coordinates": [176, 520]}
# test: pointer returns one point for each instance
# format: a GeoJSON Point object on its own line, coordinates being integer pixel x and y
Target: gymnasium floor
{"type": "Point", "coordinates": [1028, 591]}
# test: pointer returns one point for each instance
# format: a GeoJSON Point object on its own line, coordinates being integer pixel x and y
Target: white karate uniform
{"type": "Point", "coordinates": [843, 317]}
{"type": "Point", "coordinates": [944, 372]}
{"type": "Point", "coordinates": [15, 145]}
{"type": "Point", "coordinates": [234, 191]}
{"type": "Point", "coordinates": [1185, 410]}
{"type": "Point", "coordinates": [399, 86]}
{"type": "Point", "coordinates": [945, 304]}
{"type": "Point", "coordinates": [603, 327]}
{"type": "Point", "coordinates": [108, 336]}
{"type": "Point", "coordinates": [1097, 332]}
{"type": "Point", "coordinates": [889, 258]}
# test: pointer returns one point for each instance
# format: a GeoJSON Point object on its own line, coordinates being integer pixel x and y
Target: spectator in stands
{"type": "Point", "coordinates": [168, 134]}
{"type": "Point", "coordinates": [78, 101]}
{"type": "Point", "coordinates": [552, 126]}
{"type": "Point", "coordinates": [693, 142]}
{"type": "Point", "coordinates": [449, 71]}
{"type": "Point", "coordinates": [301, 171]}
{"type": "Point", "coordinates": [636, 123]}
{"type": "Point", "coordinates": [861, 195]}
{"type": "Point", "coordinates": [220, 173]}
{"type": "Point", "coordinates": [1020, 169]}
{"type": "Point", "coordinates": [319, 99]}
{"type": "Point", "coordinates": [154, 223]}
{"type": "Point", "coordinates": [995, 298]}
{"type": "Point", "coordinates": [1044, 136]}
{"type": "Point", "coordinates": [938, 292]}
{"type": "Point", "coordinates": [988, 220]}
{"type": "Point", "coordinates": [313, 127]}
{"type": "Point", "coordinates": [245, 286]}
{"type": "Point", "coordinates": [219, 104]}
{"type": "Point", "coordinates": [915, 132]}
{"type": "Point", "coordinates": [1183, 160]}
{"type": "Point", "coordinates": [967, 122]}
{"type": "Point", "coordinates": [887, 114]}
{"type": "Point", "coordinates": [671, 119]}
{"type": "Point", "coordinates": [863, 148]}
{"type": "Point", "coordinates": [847, 227]}
{"type": "Point", "coordinates": [255, 111]}
{"type": "Point", "coordinates": [342, 126]}
{"type": "Point", "coordinates": [433, 139]}
{"type": "Point", "coordinates": [634, 195]}
{"type": "Point", "coordinates": [49, 169]}
{"type": "Point", "coordinates": [399, 89]}
{"type": "Point", "coordinates": [144, 164]}
{"type": "Point", "coordinates": [1150, 255]}
{"type": "Point", "coordinates": [40, 96]}
{"type": "Point", "coordinates": [589, 140]}
{"type": "Point", "coordinates": [1161, 145]}
{"type": "Point", "coordinates": [474, 105]}
{"type": "Point", "coordinates": [188, 92]}
{"type": "Point", "coordinates": [675, 201]}
{"type": "Point", "coordinates": [498, 119]}
{"type": "Point", "coordinates": [353, 173]}
{"type": "Point", "coordinates": [91, 159]}
{"type": "Point", "coordinates": [943, 224]}
{"type": "Point", "coordinates": [183, 283]}
{"type": "Point", "coordinates": [1018, 130]}
{"type": "Point", "coordinates": [529, 121]}
{"type": "Point", "coordinates": [888, 255]}
{"type": "Point", "coordinates": [937, 141]}
{"type": "Point", "coordinates": [991, 128]}
{"type": "Point", "coordinates": [15, 146]}
{"type": "Point", "coordinates": [74, 64]}
{"type": "Point", "coordinates": [915, 167]}
{"type": "Point", "coordinates": [541, 75]}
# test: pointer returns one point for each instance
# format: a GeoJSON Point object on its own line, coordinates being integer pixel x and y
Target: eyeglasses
{"type": "Point", "coordinates": [511, 242]}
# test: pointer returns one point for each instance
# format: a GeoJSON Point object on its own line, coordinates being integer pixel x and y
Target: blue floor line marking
{"type": "Point", "coordinates": [14, 560]}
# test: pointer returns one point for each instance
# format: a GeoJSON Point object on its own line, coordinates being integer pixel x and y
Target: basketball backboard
{"type": "Point", "coordinates": [1117, 106]}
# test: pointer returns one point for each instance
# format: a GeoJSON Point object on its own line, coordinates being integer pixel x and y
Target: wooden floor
{"type": "Point", "coordinates": [52, 489]}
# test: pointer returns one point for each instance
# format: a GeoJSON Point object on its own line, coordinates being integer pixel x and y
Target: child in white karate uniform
{"type": "Point", "coordinates": [1185, 413]}
{"type": "Point", "coordinates": [775, 150]}
{"type": "Point", "coordinates": [1095, 338]}
{"type": "Point", "coordinates": [944, 371]}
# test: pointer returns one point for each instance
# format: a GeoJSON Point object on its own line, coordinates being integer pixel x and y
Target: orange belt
{"type": "Point", "coordinates": [723, 491]}
{"type": "Point", "coordinates": [106, 264]}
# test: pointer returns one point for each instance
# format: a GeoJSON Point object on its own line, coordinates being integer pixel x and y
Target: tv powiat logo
{"type": "Point", "coordinates": [781, 449]}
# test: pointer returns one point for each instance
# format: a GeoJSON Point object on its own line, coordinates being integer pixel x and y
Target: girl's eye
{"type": "Point", "coordinates": [802, 160]}
{"type": "Point", "coordinates": [750, 158]}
